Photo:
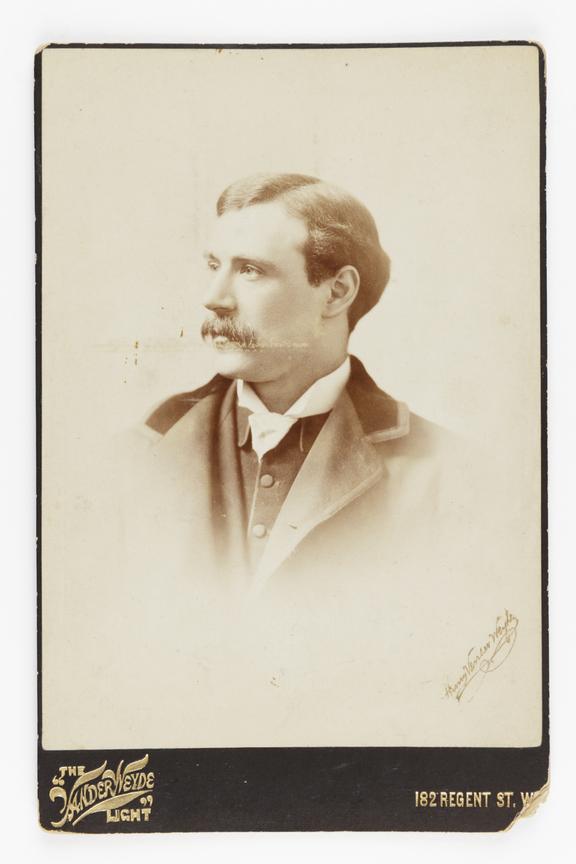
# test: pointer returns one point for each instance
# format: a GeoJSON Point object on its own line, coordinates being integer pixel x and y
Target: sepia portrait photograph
{"type": "Point", "coordinates": [291, 405]}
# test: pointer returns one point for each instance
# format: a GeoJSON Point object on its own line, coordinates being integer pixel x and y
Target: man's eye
{"type": "Point", "coordinates": [212, 265]}
{"type": "Point", "coordinates": [250, 270]}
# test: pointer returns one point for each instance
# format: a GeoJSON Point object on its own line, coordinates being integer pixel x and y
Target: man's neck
{"type": "Point", "coordinates": [282, 393]}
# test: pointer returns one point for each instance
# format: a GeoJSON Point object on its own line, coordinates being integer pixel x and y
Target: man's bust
{"type": "Point", "coordinates": [291, 460]}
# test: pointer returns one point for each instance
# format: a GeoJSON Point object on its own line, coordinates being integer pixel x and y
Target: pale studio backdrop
{"type": "Point", "coordinates": [443, 148]}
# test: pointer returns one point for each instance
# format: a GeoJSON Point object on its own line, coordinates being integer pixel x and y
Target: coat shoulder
{"type": "Point", "coordinates": [427, 442]}
{"type": "Point", "coordinates": [389, 424]}
{"type": "Point", "coordinates": [425, 437]}
{"type": "Point", "coordinates": [175, 407]}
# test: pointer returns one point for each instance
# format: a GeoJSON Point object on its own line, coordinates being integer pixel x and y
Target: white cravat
{"type": "Point", "coordinates": [269, 428]}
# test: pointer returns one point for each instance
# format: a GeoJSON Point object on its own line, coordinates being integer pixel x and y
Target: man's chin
{"type": "Point", "coordinates": [235, 363]}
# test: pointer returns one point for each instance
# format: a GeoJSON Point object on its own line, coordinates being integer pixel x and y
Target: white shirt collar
{"type": "Point", "coordinates": [269, 428]}
{"type": "Point", "coordinates": [319, 398]}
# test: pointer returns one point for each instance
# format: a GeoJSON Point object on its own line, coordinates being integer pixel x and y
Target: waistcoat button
{"type": "Point", "coordinates": [259, 530]}
{"type": "Point", "coordinates": [267, 480]}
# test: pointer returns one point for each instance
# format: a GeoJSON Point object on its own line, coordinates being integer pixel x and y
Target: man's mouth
{"type": "Point", "coordinates": [229, 335]}
{"type": "Point", "coordinates": [222, 343]}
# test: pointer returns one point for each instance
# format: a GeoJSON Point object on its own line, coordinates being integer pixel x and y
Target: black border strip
{"type": "Point", "coordinates": [38, 369]}
{"type": "Point", "coordinates": [326, 45]}
{"type": "Point", "coordinates": [544, 408]}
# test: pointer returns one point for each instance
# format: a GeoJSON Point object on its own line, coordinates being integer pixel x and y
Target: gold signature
{"type": "Point", "coordinates": [487, 658]}
{"type": "Point", "coordinates": [104, 790]}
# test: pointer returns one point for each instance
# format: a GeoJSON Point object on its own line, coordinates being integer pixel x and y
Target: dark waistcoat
{"type": "Point", "coordinates": [252, 491]}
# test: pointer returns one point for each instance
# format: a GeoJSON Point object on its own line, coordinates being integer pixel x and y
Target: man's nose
{"type": "Point", "coordinates": [220, 295]}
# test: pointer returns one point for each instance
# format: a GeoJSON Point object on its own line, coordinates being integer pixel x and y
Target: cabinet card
{"type": "Point", "coordinates": [291, 324]}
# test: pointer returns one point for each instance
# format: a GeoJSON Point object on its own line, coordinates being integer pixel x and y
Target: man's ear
{"type": "Point", "coordinates": [343, 288]}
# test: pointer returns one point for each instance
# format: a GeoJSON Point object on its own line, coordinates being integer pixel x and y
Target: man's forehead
{"type": "Point", "coordinates": [259, 229]}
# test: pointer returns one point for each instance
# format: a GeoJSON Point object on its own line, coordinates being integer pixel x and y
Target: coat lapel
{"type": "Point", "coordinates": [184, 459]}
{"type": "Point", "coordinates": [198, 458]}
{"type": "Point", "coordinates": [341, 465]}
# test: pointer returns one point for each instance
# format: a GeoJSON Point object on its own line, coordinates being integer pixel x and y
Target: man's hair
{"type": "Point", "coordinates": [340, 230]}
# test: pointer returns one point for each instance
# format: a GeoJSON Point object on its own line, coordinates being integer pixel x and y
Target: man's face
{"type": "Point", "coordinates": [266, 317]}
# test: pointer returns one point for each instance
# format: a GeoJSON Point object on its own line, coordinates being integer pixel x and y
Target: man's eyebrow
{"type": "Point", "coordinates": [245, 259]}
{"type": "Point", "coordinates": [259, 262]}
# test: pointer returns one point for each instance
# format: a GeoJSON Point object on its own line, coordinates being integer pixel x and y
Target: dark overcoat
{"type": "Point", "coordinates": [368, 495]}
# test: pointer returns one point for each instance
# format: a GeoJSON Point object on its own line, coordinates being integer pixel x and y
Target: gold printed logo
{"type": "Point", "coordinates": [103, 790]}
